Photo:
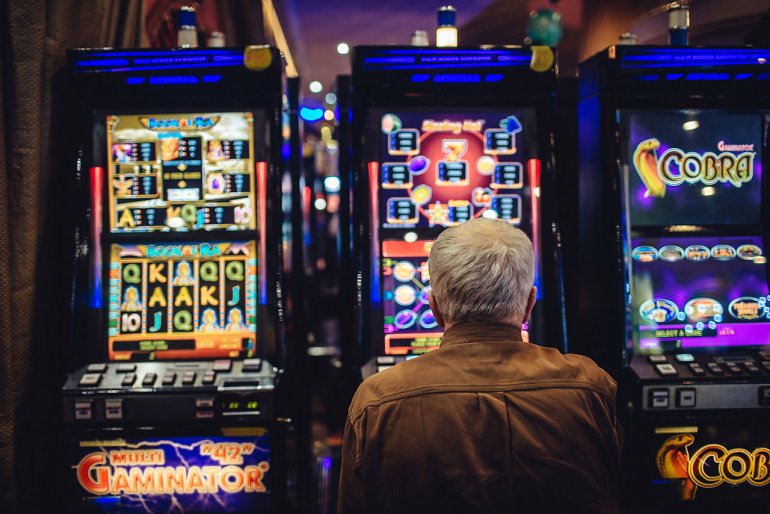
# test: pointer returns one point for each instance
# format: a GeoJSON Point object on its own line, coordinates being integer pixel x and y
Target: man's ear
{"type": "Point", "coordinates": [434, 308]}
{"type": "Point", "coordinates": [530, 304]}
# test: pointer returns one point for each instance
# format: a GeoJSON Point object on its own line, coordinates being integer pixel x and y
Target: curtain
{"type": "Point", "coordinates": [35, 247]}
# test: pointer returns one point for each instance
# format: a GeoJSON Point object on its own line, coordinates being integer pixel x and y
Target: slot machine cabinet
{"type": "Point", "coordinates": [673, 271]}
{"type": "Point", "coordinates": [441, 136]}
{"type": "Point", "coordinates": [178, 338]}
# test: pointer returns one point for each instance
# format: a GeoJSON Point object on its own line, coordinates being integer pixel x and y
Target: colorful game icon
{"type": "Point", "coordinates": [428, 320]}
{"type": "Point", "coordinates": [749, 252]}
{"type": "Point", "coordinates": [671, 253]}
{"type": "Point", "coordinates": [389, 123]}
{"type": "Point", "coordinates": [404, 271]}
{"type": "Point", "coordinates": [481, 196]}
{"type": "Point", "coordinates": [418, 164]}
{"type": "Point", "coordinates": [485, 165]}
{"type": "Point", "coordinates": [404, 295]}
{"type": "Point", "coordinates": [404, 319]}
{"type": "Point", "coordinates": [697, 253]}
{"type": "Point", "coordinates": [703, 309]}
{"type": "Point", "coordinates": [645, 253]}
{"type": "Point", "coordinates": [421, 194]}
{"type": "Point", "coordinates": [437, 214]}
{"type": "Point", "coordinates": [723, 252]}
{"type": "Point", "coordinates": [423, 295]}
{"type": "Point", "coordinates": [658, 310]}
{"type": "Point", "coordinates": [745, 308]}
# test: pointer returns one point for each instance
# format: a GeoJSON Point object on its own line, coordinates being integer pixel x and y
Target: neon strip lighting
{"type": "Point", "coordinates": [262, 198]}
{"type": "Point", "coordinates": [96, 177]}
{"type": "Point", "coordinates": [692, 57]}
{"type": "Point", "coordinates": [166, 67]}
{"type": "Point", "coordinates": [374, 178]}
{"type": "Point", "coordinates": [533, 168]}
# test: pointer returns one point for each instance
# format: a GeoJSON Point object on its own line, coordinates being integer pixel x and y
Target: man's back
{"type": "Point", "coordinates": [486, 423]}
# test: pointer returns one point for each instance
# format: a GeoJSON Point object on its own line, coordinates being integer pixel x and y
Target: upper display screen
{"type": "Point", "coordinates": [174, 172]}
{"type": "Point", "coordinates": [441, 169]}
{"type": "Point", "coordinates": [699, 292]}
{"type": "Point", "coordinates": [182, 301]}
{"type": "Point", "coordinates": [694, 167]}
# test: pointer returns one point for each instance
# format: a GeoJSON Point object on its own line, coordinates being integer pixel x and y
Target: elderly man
{"type": "Point", "coordinates": [487, 423]}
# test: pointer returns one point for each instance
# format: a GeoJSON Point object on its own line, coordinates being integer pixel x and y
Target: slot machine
{"type": "Point", "coordinates": [674, 296]}
{"type": "Point", "coordinates": [442, 136]}
{"type": "Point", "coordinates": [174, 404]}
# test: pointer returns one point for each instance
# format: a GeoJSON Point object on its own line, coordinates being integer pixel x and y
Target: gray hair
{"type": "Point", "coordinates": [482, 270]}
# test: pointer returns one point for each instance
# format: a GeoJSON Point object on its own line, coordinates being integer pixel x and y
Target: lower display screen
{"type": "Point", "coordinates": [410, 327]}
{"type": "Point", "coordinates": [174, 474]}
{"type": "Point", "coordinates": [182, 301]}
{"type": "Point", "coordinates": [699, 292]}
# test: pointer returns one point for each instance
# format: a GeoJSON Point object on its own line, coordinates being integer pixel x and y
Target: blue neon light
{"type": "Point", "coordinates": [494, 77]}
{"type": "Point", "coordinates": [104, 62]}
{"type": "Point", "coordinates": [132, 81]}
{"type": "Point", "coordinates": [641, 58]}
{"type": "Point", "coordinates": [457, 77]}
{"type": "Point", "coordinates": [155, 60]}
{"type": "Point", "coordinates": [154, 53]}
{"type": "Point", "coordinates": [308, 114]}
{"type": "Point", "coordinates": [398, 59]}
{"type": "Point", "coordinates": [210, 79]}
{"type": "Point", "coordinates": [421, 77]}
{"type": "Point", "coordinates": [173, 80]}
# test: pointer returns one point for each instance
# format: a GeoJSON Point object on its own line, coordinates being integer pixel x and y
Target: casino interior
{"type": "Point", "coordinates": [217, 215]}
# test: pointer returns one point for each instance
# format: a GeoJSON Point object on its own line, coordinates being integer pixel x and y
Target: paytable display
{"type": "Point", "coordinates": [182, 301]}
{"type": "Point", "coordinates": [172, 172]}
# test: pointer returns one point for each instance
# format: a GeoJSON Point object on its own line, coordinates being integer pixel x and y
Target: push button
{"type": "Point", "coordinates": [90, 379]}
{"type": "Point", "coordinates": [128, 379]}
{"type": "Point", "coordinates": [126, 368]}
{"type": "Point", "coordinates": [685, 398]}
{"type": "Point", "coordinates": [752, 367]}
{"type": "Point", "coordinates": [83, 410]}
{"type": "Point", "coordinates": [715, 368]}
{"type": "Point", "coordinates": [188, 378]}
{"type": "Point", "coordinates": [657, 359]}
{"type": "Point", "coordinates": [169, 379]}
{"type": "Point", "coordinates": [666, 370]}
{"type": "Point", "coordinates": [113, 408]}
{"type": "Point", "coordinates": [659, 398]}
{"type": "Point", "coordinates": [252, 365]}
{"type": "Point", "coordinates": [96, 368]}
{"type": "Point", "coordinates": [209, 377]}
{"type": "Point", "coordinates": [685, 357]}
{"type": "Point", "coordinates": [696, 369]}
{"type": "Point", "coordinates": [224, 365]}
{"type": "Point", "coordinates": [734, 369]}
{"type": "Point", "coordinates": [149, 379]}
{"type": "Point", "coordinates": [765, 355]}
{"type": "Point", "coordinates": [766, 365]}
{"type": "Point", "coordinates": [389, 359]}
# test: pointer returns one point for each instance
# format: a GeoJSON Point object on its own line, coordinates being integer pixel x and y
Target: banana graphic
{"type": "Point", "coordinates": [646, 164]}
{"type": "Point", "coordinates": [673, 461]}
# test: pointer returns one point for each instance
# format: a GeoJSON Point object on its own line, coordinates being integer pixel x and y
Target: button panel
{"type": "Point", "coordinates": [696, 369]}
{"type": "Point", "coordinates": [149, 379]}
{"type": "Point", "coordinates": [715, 368]}
{"type": "Point", "coordinates": [91, 379]}
{"type": "Point", "coordinates": [666, 370]}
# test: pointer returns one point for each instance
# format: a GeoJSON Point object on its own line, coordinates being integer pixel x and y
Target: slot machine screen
{"type": "Point", "coordinates": [694, 167]}
{"type": "Point", "coordinates": [699, 293]}
{"type": "Point", "coordinates": [182, 301]}
{"type": "Point", "coordinates": [441, 169]}
{"type": "Point", "coordinates": [181, 172]}
{"type": "Point", "coordinates": [410, 327]}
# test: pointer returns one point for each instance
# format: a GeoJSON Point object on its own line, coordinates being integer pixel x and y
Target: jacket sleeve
{"type": "Point", "coordinates": [350, 499]}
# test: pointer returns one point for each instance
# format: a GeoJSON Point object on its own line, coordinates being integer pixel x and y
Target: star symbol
{"type": "Point", "coordinates": [437, 214]}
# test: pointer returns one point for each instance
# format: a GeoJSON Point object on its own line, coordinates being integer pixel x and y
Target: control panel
{"type": "Point", "coordinates": [686, 381]}
{"type": "Point", "coordinates": [156, 392]}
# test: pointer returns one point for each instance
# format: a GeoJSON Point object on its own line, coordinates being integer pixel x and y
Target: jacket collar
{"type": "Point", "coordinates": [481, 331]}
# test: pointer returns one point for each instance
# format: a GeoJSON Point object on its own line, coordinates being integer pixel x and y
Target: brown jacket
{"type": "Point", "coordinates": [485, 424]}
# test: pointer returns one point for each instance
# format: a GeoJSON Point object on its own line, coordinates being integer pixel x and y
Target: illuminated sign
{"type": "Point", "coordinates": [215, 474]}
{"type": "Point", "coordinates": [675, 166]}
{"type": "Point", "coordinates": [711, 465]}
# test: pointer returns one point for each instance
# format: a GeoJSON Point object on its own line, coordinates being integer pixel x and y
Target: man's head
{"type": "Point", "coordinates": [482, 270]}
